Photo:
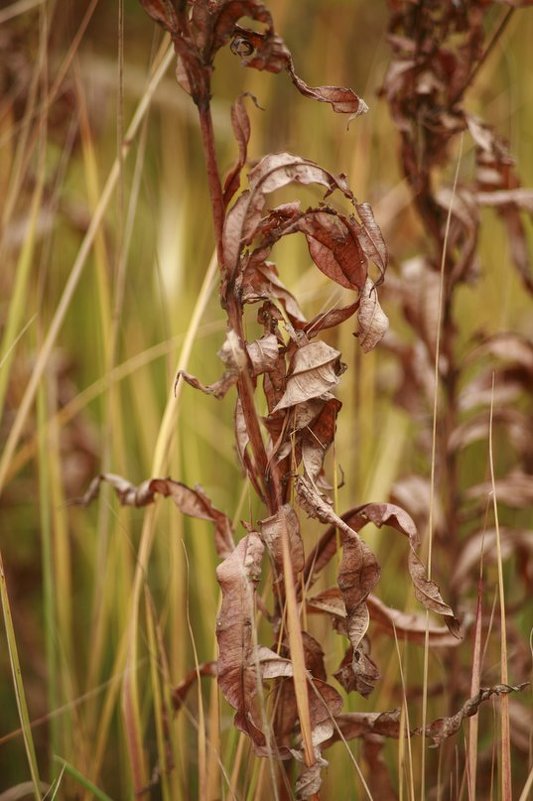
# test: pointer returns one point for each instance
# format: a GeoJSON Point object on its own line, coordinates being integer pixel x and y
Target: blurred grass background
{"type": "Point", "coordinates": [102, 395]}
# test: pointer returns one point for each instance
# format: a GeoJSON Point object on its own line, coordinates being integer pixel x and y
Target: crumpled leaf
{"type": "Point", "coordinates": [239, 666]}
{"type": "Point", "coordinates": [191, 502]}
{"type": "Point", "coordinates": [260, 281]}
{"type": "Point", "coordinates": [314, 371]}
{"type": "Point", "coordinates": [407, 625]}
{"type": "Point", "coordinates": [233, 355]}
{"type": "Point", "coordinates": [263, 353]}
{"type": "Point", "coordinates": [273, 529]}
{"type": "Point", "coordinates": [357, 671]}
{"type": "Point", "coordinates": [426, 591]}
{"type": "Point", "coordinates": [373, 322]}
{"type": "Point", "coordinates": [271, 173]}
{"type": "Point", "coordinates": [267, 51]}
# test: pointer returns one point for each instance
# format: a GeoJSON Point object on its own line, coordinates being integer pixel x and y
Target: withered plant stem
{"type": "Point", "coordinates": [264, 479]}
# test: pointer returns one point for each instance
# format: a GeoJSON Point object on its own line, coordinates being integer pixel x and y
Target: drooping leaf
{"type": "Point", "coordinates": [343, 101]}
{"type": "Point", "coordinates": [241, 129]}
{"type": "Point", "coordinates": [443, 728]}
{"type": "Point", "coordinates": [407, 625]}
{"type": "Point", "coordinates": [238, 675]}
{"type": "Point", "coordinates": [426, 591]}
{"type": "Point", "coordinates": [373, 322]}
{"type": "Point", "coordinates": [195, 503]}
{"type": "Point", "coordinates": [218, 390]}
{"type": "Point", "coordinates": [191, 502]}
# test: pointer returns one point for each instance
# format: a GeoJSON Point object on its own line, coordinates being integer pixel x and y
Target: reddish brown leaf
{"type": "Point", "coordinates": [241, 128]}
{"type": "Point", "coordinates": [128, 494]}
{"type": "Point", "coordinates": [273, 172]}
{"type": "Point", "coordinates": [192, 502]}
{"type": "Point", "coordinates": [330, 319]}
{"type": "Point", "coordinates": [260, 281]}
{"type": "Point", "coordinates": [343, 101]}
{"type": "Point", "coordinates": [357, 672]}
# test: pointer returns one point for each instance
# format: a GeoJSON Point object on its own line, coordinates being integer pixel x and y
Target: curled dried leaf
{"type": "Point", "coordinates": [442, 728]}
{"type": "Point", "coordinates": [191, 502]}
{"type": "Point", "coordinates": [263, 353]}
{"type": "Point", "coordinates": [314, 371]}
{"type": "Point", "coordinates": [373, 322]}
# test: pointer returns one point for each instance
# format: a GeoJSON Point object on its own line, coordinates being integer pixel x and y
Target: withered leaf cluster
{"type": "Point", "coordinates": [283, 452]}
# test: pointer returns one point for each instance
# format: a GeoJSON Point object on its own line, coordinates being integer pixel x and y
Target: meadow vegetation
{"type": "Point", "coordinates": [266, 499]}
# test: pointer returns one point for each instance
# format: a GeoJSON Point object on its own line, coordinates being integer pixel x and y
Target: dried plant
{"type": "Point", "coordinates": [292, 373]}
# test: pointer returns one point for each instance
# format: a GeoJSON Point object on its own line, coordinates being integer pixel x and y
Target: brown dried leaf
{"type": "Point", "coordinates": [191, 502]}
{"type": "Point", "coordinates": [260, 281]}
{"type": "Point", "coordinates": [350, 725]}
{"type": "Point", "coordinates": [380, 514]}
{"type": "Point", "coordinates": [317, 436]}
{"type": "Point", "coordinates": [371, 239]}
{"type": "Point", "coordinates": [263, 353]}
{"type": "Point", "coordinates": [273, 172]}
{"type": "Point", "coordinates": [218, 390]}
{"type": "Point", "coordinates": [283, 524]}
{"type": "Point", "coordinates": [128, 494]}
{"type": "Point", "coordinates": [357, 672]}
{"type": "Point", "coordinates": [314, 371]}
{"type": "Point", "coordinates": [408, 626]}
{"type": "Point", "coordinates": [241, 128]}
{"type": "Point", "coordinates": [373, 322]}
{"type": "Point", "coordinates": [330, 319]}
{"type": "Point", "coordinates": [238, 676]}
{"type": "Point", "coordinates": [343, 101]}
{"type": "Point", "coordinates": [442, 728]}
